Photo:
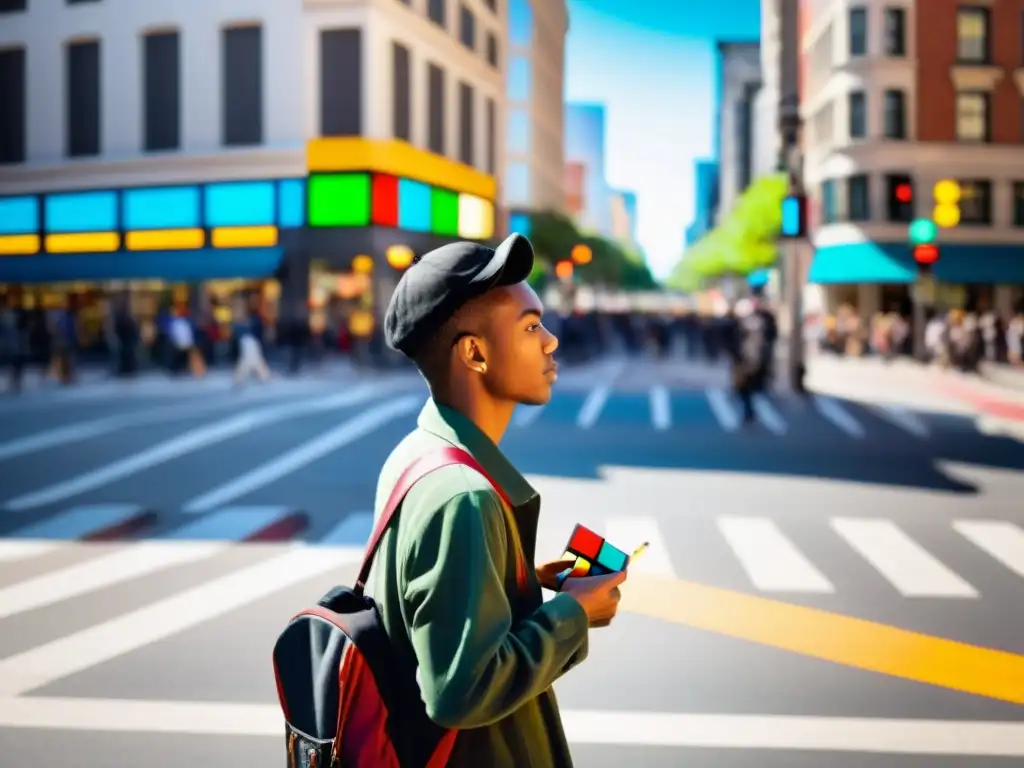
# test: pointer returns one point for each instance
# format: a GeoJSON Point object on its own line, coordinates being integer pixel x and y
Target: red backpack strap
{"type": "Point", "coordinates": [419, 469]}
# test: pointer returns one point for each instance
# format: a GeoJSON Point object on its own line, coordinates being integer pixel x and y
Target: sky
{"type": "Point", "coordinates": [652, 64]}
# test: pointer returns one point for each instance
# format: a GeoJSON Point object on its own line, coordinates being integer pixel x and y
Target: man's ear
{"type": "Point", "coordinates": [472, 352]}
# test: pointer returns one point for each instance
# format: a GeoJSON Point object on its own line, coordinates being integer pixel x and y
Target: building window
{"type": "Point", "coordinates": [858, 115]}
{"type": "Point", "coordinates": [520, 23]}
{"type": "Point", "coordinates": [858, 198]}
{"type": "Point", "coordinates": [895, 32]}
{"type": "Point", "coordinates": [243, 86]}
{"type": "Point", "coordinates": [492, 4]}
{"type": "Point", "coordinates": [435, 107]}
{"type": "Point", "coordinates": [517, 184]}
{"type": "Point", "coordinates": [83, 99]}
{"type": "Point", "coordinates": [519, 79]}
{"type": "Point", "coordinates": [436, 10]}
{"type": "Point", "coordinates": [401, 108]}
{"type": "Point", "coordinates": [467, 139]}
{"type": "Point", "coordinates": [341, 82]}
{"type": "Point", "coordinates": [829, 208]}
{"type": "Point", "coordinates": [972, 116]}
{"type": "Point", "coordinates": [518, 139]}
{"type": "Point", "coordinates": [858, 31]}
{"type": "Point", "coordinates": [1018, 203]}
{"type": "Point", "coordinates": [972, 35]}
{"type": "Point", "coordinates": [467, 28]}
{"type": "Point", "coordinates": [900, 197]}
{"type": "Point", "coordinates": [162, 97]}
{"type": "Point", "coordinates": [492, 130]}
{"type": "Point", "coordinates": [13, 6]}
{"type": "Point", "coordinates": [12, 106]}
{"type": "Point", "coordinates": [492, 49]}
{"type": "Point", "coordinates": [895, 114]}
{"type": "Point", "coordinates": [975, 202]}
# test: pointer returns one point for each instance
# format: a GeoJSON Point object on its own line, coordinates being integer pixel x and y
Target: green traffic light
{"type": "Point", "coordinates": [923, 232]}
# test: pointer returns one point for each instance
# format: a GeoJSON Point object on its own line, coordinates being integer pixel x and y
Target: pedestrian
{"type": "Point", "coordinates": [483, 651]}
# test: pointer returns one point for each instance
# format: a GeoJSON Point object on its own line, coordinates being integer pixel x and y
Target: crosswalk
{"type": "Point", "coordinates": [667, 411]}
{"type": "Point", "coordinates": [774, 557]}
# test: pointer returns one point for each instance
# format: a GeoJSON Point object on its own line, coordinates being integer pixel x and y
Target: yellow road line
{"type": "Point", "coordinates": [829, 636]}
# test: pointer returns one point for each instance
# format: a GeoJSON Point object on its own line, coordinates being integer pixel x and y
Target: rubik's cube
{"type": "Point", "coordinates": [593, 555]}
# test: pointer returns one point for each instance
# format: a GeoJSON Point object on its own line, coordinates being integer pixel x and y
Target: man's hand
{"type": "Point", "coordinates": [599, 596]}
{"type": "Point", "coordinates": [547, 574]}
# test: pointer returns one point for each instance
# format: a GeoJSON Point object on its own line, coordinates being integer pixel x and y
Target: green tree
{"type": "Point", "coordinates": [747, 240]}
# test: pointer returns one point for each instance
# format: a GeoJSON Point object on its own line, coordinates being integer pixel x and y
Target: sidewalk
{"type": "Point", "coordinates": [1003, 375]}
{"type": "Point", "coordinates": [908, 382]}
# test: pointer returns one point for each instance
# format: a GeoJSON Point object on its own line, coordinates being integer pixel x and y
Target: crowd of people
{"type": "Point", "coordinates": [955, 338]}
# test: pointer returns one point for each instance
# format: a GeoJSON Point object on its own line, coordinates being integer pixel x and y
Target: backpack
{"type": "Point", "coordinates": [344, 705]}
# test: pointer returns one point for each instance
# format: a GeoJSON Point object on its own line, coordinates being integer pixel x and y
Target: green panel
{"type": "Point", "coordinates": [923, 231]}
{"type": "Point", "coordinates": [339, 200]}
{"type": "Point", "coordinates": [444, 212]}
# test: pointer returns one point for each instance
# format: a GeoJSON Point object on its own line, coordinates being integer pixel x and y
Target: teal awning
{"type": "Point", "coordinates": [893, 263]}
{"type": "Point", "coordinates": [171, 266]}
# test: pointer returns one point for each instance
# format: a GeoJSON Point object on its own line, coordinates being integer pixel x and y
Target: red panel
{"type": "Point", "coordinates": [385, 200]}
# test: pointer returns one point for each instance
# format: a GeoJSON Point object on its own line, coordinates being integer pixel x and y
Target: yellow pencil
{"type": "Point", "coordinates": [639, 551]}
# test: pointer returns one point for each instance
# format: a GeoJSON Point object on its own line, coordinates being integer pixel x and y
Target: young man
{"type": "Point", "coordinates": [484, 653]}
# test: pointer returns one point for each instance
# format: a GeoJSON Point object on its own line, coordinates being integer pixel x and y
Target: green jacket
{"type": "Point", "coordinates": [484, 654]}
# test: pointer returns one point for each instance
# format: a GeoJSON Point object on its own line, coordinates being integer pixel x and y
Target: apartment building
{"type": "Point", "coordinates": [535, 144]}
{"type": "Point", "coordinates": [896, 96]}
{"type": "Point", "coordinates": [244, 138]}
{"type": "Point", "coordinates": [739, 77]}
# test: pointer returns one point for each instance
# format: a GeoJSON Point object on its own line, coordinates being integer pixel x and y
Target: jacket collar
{"type": "Point", "coordinates": [456, 428]}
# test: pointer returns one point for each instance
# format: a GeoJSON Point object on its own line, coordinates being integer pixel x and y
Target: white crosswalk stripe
{"type": "Point", "coordinates": [904, 419]}
{"type": "Point", "coordinates": [771, 560]}
{"type": "Point", "coordinates": [839, 416]}
{"type": "Point", "coordinates": [904, 563]}
{"type": "Point", "coordinates": [769, 416]}
{"type": "Point", "coordinates": [661, 409]}
{"type": "Point", "coordinates": [724, 410]}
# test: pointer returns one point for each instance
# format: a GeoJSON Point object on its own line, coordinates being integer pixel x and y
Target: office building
{"type": "Point", "coordinates": [245, 138]}
{"type": "Point", "coordinates": [535, 119]}
{"type": "Point", "coordinates": [739, 79]}
{"type": "Point", "coordinates": [705, 200]}
{"type": "Point", "coordinates": [896, 97]}
{"type": "Point", "coordinates": [585, 145]}
{"type": "Point", "coordinates": [623, 204]}
{"type": "Point", "coordinates": [767, 143]}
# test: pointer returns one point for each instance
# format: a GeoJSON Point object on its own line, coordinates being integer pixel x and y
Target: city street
{"type": "Point", "coordinates": [840, 584]}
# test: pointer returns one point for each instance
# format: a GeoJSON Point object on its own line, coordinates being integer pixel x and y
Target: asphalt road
{"type": "Point", "coordinates": [766, 625]}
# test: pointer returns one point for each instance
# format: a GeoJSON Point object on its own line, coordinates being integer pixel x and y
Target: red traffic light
{"type": "Point", "coordinates": [904, 193]}
{"type": "Point", "coordinates": [926, 254]}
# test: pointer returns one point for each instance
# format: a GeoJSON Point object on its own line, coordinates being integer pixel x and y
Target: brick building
{"type": "Point", "coordinates": [900, 94]}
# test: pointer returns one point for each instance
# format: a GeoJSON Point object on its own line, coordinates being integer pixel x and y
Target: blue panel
{"type": "Point", "coordinates": [162, 208]}
{"type": "Point", "coordinates": [863, 263]}
{"type": "Point", "coordinates": [791, 217]}
{"type": "Point", "coordinates": [413, 206]}
{"type": "Point", "coordinates": [519, 222]}
{"type": "Point", "coordinates": [894, 263]}
{"type": "Point", "coordinates": [82, 212]}
{"type": "Point", "coordinates": [292, 203]}
{"type": "Point", "coordinates": [240, 204]}
{"type": "Point", "coordinates": [172, 266]}
{"type": "Point", "coordinates": [758, 278]}
{"type": "Point", "coordinates": [19, 215]}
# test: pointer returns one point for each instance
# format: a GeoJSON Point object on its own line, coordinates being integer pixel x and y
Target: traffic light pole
{"type": "Point", "coordinates": [919, 318]}
{"type": "Point", "coordinates": [792, 162]}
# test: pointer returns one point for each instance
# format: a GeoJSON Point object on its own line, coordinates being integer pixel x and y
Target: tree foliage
{"type": "Point", "coordinates": [743, 243]}
{"type": "Point", "coordinates": [554, 235]}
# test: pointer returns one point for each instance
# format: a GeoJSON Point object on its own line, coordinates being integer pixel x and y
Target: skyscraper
{"type": "Point", "coordinates": [585, 145]}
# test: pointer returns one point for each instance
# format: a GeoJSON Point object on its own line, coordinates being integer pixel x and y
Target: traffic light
{"type": "Point", "coordinates": [581, 254]}
{"type": "Point", "coordinates": [794, 216]}
{"type": "Point", "coordinates": [923, 232]}
{"type": "Point", "coordinates": [901, 197]}
{"type": "Point", "coordinates": [947, 204]}
{"type": "Point", "coordinates": [926, 254]}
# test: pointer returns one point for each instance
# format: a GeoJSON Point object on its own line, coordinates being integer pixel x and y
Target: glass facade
{"type": "Point", "coordinates": [518, 130]}
{"type": "Point", "coordinates": [519, 76]}
{"type": "Point", "coordinates": [520, 23]}
{"type": "Point", "coordinates": [517, 184]}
